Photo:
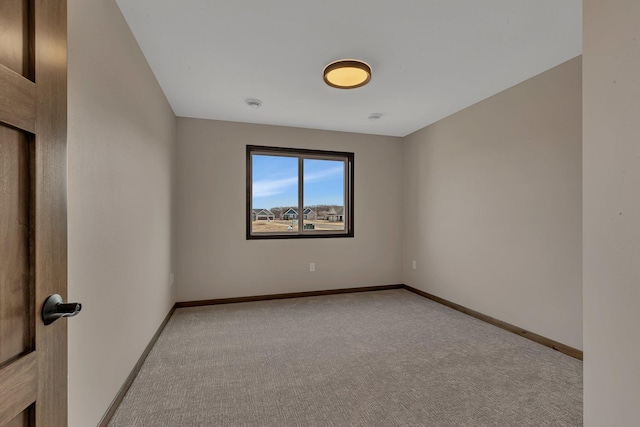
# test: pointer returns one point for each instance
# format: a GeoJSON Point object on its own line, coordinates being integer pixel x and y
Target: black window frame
{"type": "Point", "coordinates": [302, 153]}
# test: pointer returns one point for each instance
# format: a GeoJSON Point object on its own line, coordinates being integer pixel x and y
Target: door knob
{"type": "Point", "coordinates": [54, 308]}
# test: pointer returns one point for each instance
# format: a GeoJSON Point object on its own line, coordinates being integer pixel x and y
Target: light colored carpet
{"type": "Point", "coordinates": [384, 358]}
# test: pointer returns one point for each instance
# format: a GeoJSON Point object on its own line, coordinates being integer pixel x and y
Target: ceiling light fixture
{"type": "Point", "coordinates": [253, 103]}
{"type": "Point", "coordinates": [374, 116]}
{"type": "Point", "coordinates": [347, 74]}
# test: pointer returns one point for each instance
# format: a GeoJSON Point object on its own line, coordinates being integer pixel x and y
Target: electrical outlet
{"type": "Point", "coordinates": [312, 266]}
{"type": "Point", "coordinates": [413, 264]}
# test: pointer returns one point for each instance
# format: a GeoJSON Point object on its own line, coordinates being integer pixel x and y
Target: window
{"type": "Point", "coordinates": [295, 193]}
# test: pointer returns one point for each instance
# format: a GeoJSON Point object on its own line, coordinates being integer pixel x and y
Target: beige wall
{"type": "Point", "coordinates": [214, 259]}
{"type": "Point", "coordinates": [486, 201]}
{"type": "Point", "coordinates": [611, 176]}
{"type": "Point", "coordinates": [492, 204]}
{"type": "Point", "coordinates": [121, 138]}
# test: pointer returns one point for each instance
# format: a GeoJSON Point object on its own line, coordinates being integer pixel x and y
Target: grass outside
{"type": "Point", "coordinates": [279, 225]}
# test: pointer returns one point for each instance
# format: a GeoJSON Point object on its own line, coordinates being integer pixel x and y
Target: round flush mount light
{"type": "Point", "coordinates": [253, 103]}
{"type": "Point", "coordinates": [347, 74]}
{"type": "Point", "coordinates": [374, 116]}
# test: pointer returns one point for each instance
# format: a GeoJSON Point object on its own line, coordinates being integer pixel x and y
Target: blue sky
{"type": "Point", "coordinates": [275, 181]}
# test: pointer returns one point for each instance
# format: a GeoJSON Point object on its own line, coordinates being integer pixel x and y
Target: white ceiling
{"type": "Point", "coordinates": [429, 58]}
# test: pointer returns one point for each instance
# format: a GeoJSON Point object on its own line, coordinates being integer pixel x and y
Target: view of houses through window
{"type": "Point", "coordinates": [300, 193]}
{"type": "Point", "coordinates": [281, 218]}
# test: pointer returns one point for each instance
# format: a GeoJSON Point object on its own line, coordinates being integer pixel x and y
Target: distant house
{"type": "Point", "coordinates": [289, 214]}
{"type": "Point", "coordinates": [308, 213]}
{"type": "Point", "coordinates": [332, 215]}
{"type": "Point", "coordinates": [335, 215]}
{"type": "Point", "coordinates": [277, 212]}
{"type": "Point", "coordinates": [262, 215]}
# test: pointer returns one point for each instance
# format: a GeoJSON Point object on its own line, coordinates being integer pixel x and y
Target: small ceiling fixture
{"type": "Point", "coordinates": [347, 74]}
{"type": "Point", "coordinates": [253, 103]}
{"type": "Point", "coordinates": [374, 116]}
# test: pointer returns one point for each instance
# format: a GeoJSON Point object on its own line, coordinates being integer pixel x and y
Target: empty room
{"type": "Point", "coordinates": [357, 213]}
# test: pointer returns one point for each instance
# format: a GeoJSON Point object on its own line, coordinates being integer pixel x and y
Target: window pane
{"type": "Point", "coordinates": [298, 193]}
{"type": "Point", "coordinates": [324, 195]}
{"type": "Point", "coordinates": [275, 194]}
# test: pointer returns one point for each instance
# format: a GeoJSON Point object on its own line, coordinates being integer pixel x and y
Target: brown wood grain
{"type": "Point", "coordinates": [14, 44]}
{"type": "Point", "coordinates": [51, 206]}
{"type": "Point", "coordinates": [15, 263]}
{"type": "Point", "coordinates": [17, 100]}
{"type": "Point", "coordinates": [36, 211]}
{"type": "Point", "coordinates": [562, 348]}
{"type": "Point", "coordinates": [18, 386]}
{"type": "Point", "coordinates": [22, 419]}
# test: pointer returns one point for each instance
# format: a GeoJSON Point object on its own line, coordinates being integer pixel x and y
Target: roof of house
{"type": "Point", "coordinates": [262, 211]}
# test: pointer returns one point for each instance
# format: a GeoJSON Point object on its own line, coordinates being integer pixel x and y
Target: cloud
{"type": "Point", "coordinates": [326, 173]}
{"type": "Point", "coordinates": [268, 187]}
{"type": "Point", "coordinates": [272, 187]}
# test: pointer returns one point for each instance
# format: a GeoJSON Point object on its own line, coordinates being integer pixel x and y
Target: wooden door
{"type": "Point", "coordinates": [33, 245]}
